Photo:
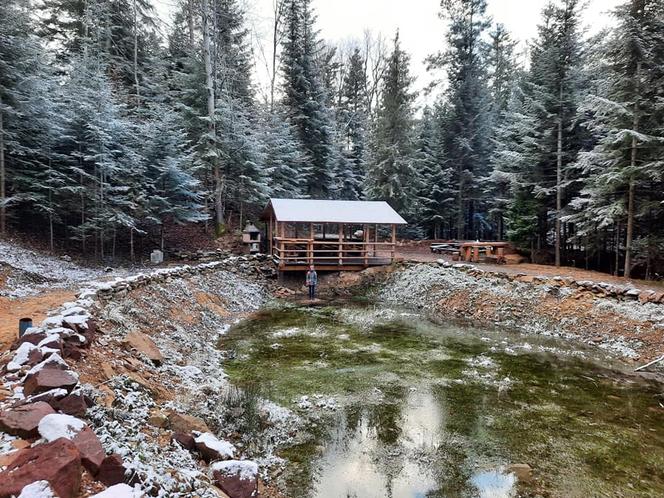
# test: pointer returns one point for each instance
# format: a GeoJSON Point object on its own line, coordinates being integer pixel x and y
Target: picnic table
{"type": "Point", "coordinates": [470, 251]}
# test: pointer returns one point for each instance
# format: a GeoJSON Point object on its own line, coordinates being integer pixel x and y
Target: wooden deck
{"type": "Point", "coordinates": [291, 254]}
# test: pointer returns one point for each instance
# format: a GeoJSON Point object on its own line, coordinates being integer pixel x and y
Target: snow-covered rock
{"type": "Point", "coordinates": [120, 491]}
{"type": "Point", "coordinates": [57, 425]}
{"type": "Point", "coordinates": [25, 353]}
{"type": "Point", "coordinates": [39, 489]}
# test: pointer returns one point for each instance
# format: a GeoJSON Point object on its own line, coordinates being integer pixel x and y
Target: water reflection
{"type": "Point", "coordinates": [380, 455]}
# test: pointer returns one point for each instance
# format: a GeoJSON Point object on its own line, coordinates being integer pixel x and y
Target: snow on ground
{"type": "Point", "coordinates": [193, 369]}
{"type": "Point", "coordinates": [245, 469]}
{"type": "Point", "coordinates": [517, 305]}
{"type": "Point", "coordinates": [35, 271]}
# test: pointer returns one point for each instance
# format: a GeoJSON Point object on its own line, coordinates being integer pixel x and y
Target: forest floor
{"type": "Point", "coordinates": [422, 253]}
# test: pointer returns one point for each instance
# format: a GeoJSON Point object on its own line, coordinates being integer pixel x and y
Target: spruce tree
{"type": "Point", "coordinates": [623, 181]}
{"type": "Point", "coordinates": [391, 175]}
{"type": "Point", "coordinates": [353, 119]}
{"type": "Point", "coordinates": [465, 129]}
{"type": "Point", "coordinates": [305, 97]}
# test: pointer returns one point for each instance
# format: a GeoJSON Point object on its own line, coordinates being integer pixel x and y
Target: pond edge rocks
{"type": "Point", "coordinates": [42, 393]}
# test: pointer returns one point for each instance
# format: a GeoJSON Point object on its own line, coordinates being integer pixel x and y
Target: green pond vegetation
{"type": "Point", "coordinates": [435, 410]}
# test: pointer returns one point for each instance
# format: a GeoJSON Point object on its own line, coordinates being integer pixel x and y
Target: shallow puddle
{"type": "Point", "coordinates": [401, 407]}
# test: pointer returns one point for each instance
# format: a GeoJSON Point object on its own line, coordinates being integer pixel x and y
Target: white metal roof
{"type": "Point", "coordinates": [324, 211]}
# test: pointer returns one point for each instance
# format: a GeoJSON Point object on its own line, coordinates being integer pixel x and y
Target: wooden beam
{"type": "Point", "coordinates": [341, 243]}
{"type": "Point", "coordinates": [394, 240]}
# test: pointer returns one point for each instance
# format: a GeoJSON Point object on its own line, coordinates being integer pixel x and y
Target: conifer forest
{"type": "Point", "coordinates": [115, 126]}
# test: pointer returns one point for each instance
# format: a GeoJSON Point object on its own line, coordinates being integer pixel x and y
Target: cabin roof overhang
{"type": "Point", "coordinates": [332, 211]}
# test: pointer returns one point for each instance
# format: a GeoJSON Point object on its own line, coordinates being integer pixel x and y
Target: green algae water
{"type": "Point", "coordinates": [400, 407]}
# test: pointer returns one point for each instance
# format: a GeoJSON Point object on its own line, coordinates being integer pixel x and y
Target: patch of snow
{"type": "Point", "coordinates": [120, 491]}
{"type": "Point", "coordinates": [21, 356]}
{"type": "Point", "coordinates": [289, 332]}
{"type": "Point", "coordinates": [37, 489]}
{"type": "Point", "coordinates": [53, 361]}
{"type": "Point", "coordinates": [57, 425]}
{"type": "Point", "coordinates": [245, 469]}
{"type": "Point", "coordinates": [224, 448]}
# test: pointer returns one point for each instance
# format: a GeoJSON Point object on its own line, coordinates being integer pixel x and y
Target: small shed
{"type": "Point", "coordinates": [330, 234]}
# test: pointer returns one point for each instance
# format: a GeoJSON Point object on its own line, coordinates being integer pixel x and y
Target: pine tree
{"type": "Point", "coordinates": [283, 158]}
{"type": "Point", "coordinates": [548, 99]}
{"type": "Point", "coordinates": [391, 175]}
{"type": "Point", "coordinates": [623, 172]}
{"type": "Point", "coordinates": [305, 97]}
{"type": "Point", "coordinates": [433, 197]}
{"type": "Point", "coordinates": [465, 129]}
{"type": "Point", "coordinates": [353, 119]}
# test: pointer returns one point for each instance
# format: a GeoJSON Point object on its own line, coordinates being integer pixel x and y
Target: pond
{"type": "Point", "coordinates": [401, 407]}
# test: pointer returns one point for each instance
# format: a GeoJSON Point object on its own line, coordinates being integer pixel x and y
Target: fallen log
{"type": "Point", "coordinates": [649, 364]}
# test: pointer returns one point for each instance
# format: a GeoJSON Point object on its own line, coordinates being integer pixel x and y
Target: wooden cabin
{"type": "Point", "coordinates": [332, 235]}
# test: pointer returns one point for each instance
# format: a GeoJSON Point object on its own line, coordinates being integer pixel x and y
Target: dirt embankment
{"type": "Point", "coordinates": [627, 322]}
{"type": "Point", "coordinates": [141, 351]}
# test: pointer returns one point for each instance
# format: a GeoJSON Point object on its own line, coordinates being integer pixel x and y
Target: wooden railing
{"type": "Point", "coordinates": [292, 251]}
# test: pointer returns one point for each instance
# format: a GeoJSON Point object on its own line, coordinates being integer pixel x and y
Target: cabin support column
{"type": "Point", "coordinates": [394, 240]}
{"type": "Point", "coordinates": [310, 245]}
{"type": "Point", "coordinates": [365, 244]}
{"type": "Point", "coordinates": [341, 244]}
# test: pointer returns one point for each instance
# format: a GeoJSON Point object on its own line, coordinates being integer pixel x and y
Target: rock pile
{"type": "Point", "coordinates": [599, 289]}
{"type": "Point", "coordinates": [43, 404]}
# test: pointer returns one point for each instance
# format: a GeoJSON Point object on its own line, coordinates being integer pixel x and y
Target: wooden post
{"type": "Point", "coordinates": [270, 235]}
{"type": "Point", "coordinates": [375, 239]}
{"type": "Point", "coordinates": [341, 244]}
{"type": "Point", "coordinates": [394, 240]}
{"type": "Point", "coordinates": [365, 244]}
{"type": "Point", "coordinates": [310, 249]}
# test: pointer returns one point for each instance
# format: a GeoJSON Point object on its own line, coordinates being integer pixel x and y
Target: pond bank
{"type": "Point", "coordinates": [622, 320]}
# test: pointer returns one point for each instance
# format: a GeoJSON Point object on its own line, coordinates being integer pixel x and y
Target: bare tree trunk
{"type": "Point", "coordinates": [630, 196]}
{"type": "Point", "coordinates": [559, 175]}
{"type": "Point", "coordinates": [209, 83]}
{"type": "Point", "coordinates": [190, 22]}
{"type": "Point", "coordinates": [3, 193]}
{"type": "Point", "coordinates": [138, 88]}
{"type": "Point", "coordinates": [278, 10]}
{"type": "Point", "coordinates": [131, 244]}
{"type": "Point", "coordinates": [460, 213]}
{"type": "Point", "coordinates": [617, 242]}
{"type": "Point", "coordinates": [630, 220]}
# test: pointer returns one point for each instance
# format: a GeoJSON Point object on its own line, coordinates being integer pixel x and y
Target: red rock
{"type": "Point", "coordinates": [179, 422]}
{"type": "Point", "coordinates": [73, 404]}
{"type": "Point", "coordinates": [71, 351]}
{"type": "Point", "coordinates": [90, 448]}
{"type": "Point", "coordinates": [212, 448]}
{"type": "Point", "coordinates": [58, 462]}
{"type": "Point", "coordinates": [47, 379]}
{"type": "Point", "coordinates": [185, 440]}
{"type": "Point", "coordinates": [23, 420]}
{"type": "Point", "coordinates": [236, 484]}
{"type": "Point", "coordinates": [31, 338]}
{"type": "Point", "coordinates": [111, 470]}
{"type": "Point", "coordinates": [49, 397]}
{"type": "Point", "coordinates": [143, 344]}
{"type": "Point", "coordinates": [7, 458]}
{"type": "Point", "coordinates": [53, 342]}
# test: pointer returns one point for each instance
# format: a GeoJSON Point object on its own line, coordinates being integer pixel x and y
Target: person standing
{"type": "Point", "coordinates": [312, 281]}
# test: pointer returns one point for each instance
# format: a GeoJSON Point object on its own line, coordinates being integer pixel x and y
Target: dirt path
{"type": "Point", "coordinates": [423, 254]}
{"type": "Point", "coordinates": [35, 307]}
